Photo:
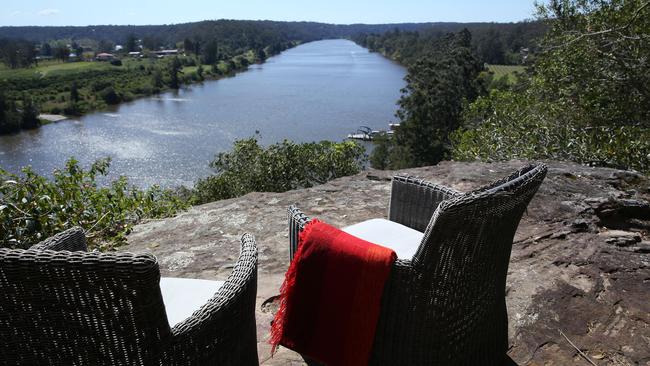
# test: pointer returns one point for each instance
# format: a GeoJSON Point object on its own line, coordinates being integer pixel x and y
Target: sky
{"type": "Point", "coordinates": [93, 12]}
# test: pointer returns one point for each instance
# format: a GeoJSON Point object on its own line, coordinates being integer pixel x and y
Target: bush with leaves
{"type": "Point", "coordinates": [110, 96]}
{"type": "Point", "coordinates": [518, 125]}
{"type": "Point", "coordinates": [33, 207]}
{"type": "Point", "coordinates": [596, 58]}
{"type": "Point", "coordinates": [280, 167]}
{"type": "Point", "coordinates": [586, 98]}
{"type": "Point", "coordinates": [439, 85]}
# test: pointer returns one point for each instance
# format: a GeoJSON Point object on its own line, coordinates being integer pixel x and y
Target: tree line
{"type": "Point", "coordinates": [492, 43]}
{"type": "Point", "coordinates": [584, 96]}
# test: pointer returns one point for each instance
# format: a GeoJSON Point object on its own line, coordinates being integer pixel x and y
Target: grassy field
{"type": "Point", "coordinates": [506, 70]}
{"type": "Point", "coordinates": [100, 84]}
{"type": "Point", "coordinates": [51, 68]}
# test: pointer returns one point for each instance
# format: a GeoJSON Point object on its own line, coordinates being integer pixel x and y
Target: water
{"type": "Point", "coordinates": [317, 91]}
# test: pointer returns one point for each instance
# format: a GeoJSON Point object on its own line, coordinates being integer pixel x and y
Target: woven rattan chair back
{"type": "Point", "coordinates": [463, 262]}
{"type": "Point", "coordinates": [60, 305]}
{"type": "Point", "coordinates": [446, 305]}
{"type": "Point", "coordinates": [80, 308]}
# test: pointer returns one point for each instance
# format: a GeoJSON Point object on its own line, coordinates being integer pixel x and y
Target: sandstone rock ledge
{"type": "Point", "coordinates": [580, 262]}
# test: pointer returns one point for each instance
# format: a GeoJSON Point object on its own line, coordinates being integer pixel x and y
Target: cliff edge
{"type": "Point", "coordinates": [579, 274]}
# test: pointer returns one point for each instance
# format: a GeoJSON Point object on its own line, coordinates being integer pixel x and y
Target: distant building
{"type": "Point", "coordinates": [104, 57]}
{"type": "Point", "coordinates": [135, 54]}
{"type": "Point", "coordinates": [167, 52]}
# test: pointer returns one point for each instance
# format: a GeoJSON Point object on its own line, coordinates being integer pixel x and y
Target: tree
{"type": "Point", "coordinates": [61, 52]}
{"type": "Point", "coordinates": [174, 68]}
{"type": "Point", "coordinates": [150, 43]}
{"type": "Point", "coordinates": [29, 115]}
{"type": "Point", "coordinates": [211, 52]}
{"type": "Point", "coordinates": [215, 69]}
{"type": "Point", "coordinates": [17, 53]}
{"type": "Point", "coordinates": [10, 120]}
{"type": "Point", "coordinates": [586, 98]}
{"type": "Point", "coordinates": [74, 92]}
{"type": "Point", "coordinates": [46, 49]}
{"type": "Point", "coordinates": [157, 79]}
{"type": "Point", "coordinates": [595, 57]}
{"type": "Point", "coordinates": [28, 53]}
{"type": "Point", "coordinates": [105, 46]}
{"type": "Point", "coordinates": [491, 48]}
{"type": "Point", "coordinates": [260, 55]}
{"type": "Point", "coordinates": [131, 43]}
{"type": "Point", "coordinates": [77, 49]}
{"type": "Point", "coordinates": [73, 108]}
{"type": "Point", "coordinates": [110, 96]}
{"type": "Point", "coordinates": [188, 46]}
{"type": "Point", "coordinates": [277, 168]}
{"type": "Point", "coordinates": [197, 46]}
{"type": "Point", "coordinates": [438, 86]}
{"type": "Point", "coordinates": [10, 55]}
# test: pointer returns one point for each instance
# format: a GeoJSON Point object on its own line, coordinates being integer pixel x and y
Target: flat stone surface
{"type": "Point", "coordinates": [563, 274]}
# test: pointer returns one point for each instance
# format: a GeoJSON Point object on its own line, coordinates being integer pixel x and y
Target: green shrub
{"type": "Point", "coordinates": [110, 96]}
{"type": "Point", "coordinates": [518, 125]}
{"type": "Point", "coordinates": [388, 154]}
{"type": "Point", "coordinates": [280, 167]}
{"type": "Point", "coordinates": [128, 97]}
{"type": "Point", "coordinates": [99, 85]}
{"type": "Point", "coordinates": [33, 207]}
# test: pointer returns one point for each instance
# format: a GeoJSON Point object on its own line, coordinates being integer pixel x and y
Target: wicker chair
{"type": "Point", "coordinates": [61, 305]}
{"type": "Point", "coordinates": [444, 302]}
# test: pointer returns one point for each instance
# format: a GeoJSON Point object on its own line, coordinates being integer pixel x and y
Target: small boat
{"type": "Point", "coordinates": [363, 133]}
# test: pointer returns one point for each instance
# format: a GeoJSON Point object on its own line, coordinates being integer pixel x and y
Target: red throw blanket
{"type": "Point", "coordinates": [331, 296]}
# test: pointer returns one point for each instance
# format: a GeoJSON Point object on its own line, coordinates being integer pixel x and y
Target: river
{"type": "Point", "coordinates": [317, 91]}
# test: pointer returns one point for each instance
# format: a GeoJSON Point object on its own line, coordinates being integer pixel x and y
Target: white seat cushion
{"type": "Point", "coordinates": [402, 239]}
{"type": "Point", "coordinates": [183, 296]}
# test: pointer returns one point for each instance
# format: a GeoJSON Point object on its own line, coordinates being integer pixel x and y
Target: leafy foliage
{"type": "Point", "coordinates": [17, 53]}
{"type": "Point", "coordinates": [517, 125]}
{"type": "Point", "coordinates": [33, 207]}
{"type": "Point", "coordinates": [597, 59]}
{"type": "Point", "coordinates": [438, 86]}
{"type": "Point", "coordinates": [586, 98]}
{"type": "Point", "coordinates": [491, 42]}
{"type": "Point", "coordinates": [280, 167]}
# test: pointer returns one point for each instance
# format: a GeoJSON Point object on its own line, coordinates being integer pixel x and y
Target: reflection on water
{"type": "Point", "coordinates": [316, 91]}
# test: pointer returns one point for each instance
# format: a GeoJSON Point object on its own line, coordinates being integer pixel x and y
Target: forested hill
{"type": "Point", "coordinates": [494, 43]}
{"type": "Point", "coordinates": [172, 33]}
{"type": "Point", "coordinates": [168, 35]}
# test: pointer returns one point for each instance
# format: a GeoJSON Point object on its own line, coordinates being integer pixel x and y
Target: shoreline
{"type": "Point", "coordinates": [48, 118]}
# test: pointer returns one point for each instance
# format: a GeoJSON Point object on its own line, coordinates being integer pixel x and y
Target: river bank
{"type": "Point", "coordinates": [319, 90]}
{"type": "Point", "coordinates": [75, 89]}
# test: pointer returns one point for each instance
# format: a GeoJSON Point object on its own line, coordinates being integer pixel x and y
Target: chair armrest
{"type": "Point", "coordinates": [297, 221]}
{"type": "Point", "coordinates": [413, 201]}
{"type": "Point", "coordinates": [223, 331]}
{"type": "Point", "coordinates": [73, 240]}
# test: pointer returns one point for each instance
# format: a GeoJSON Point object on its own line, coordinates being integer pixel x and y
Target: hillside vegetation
{"type": "Point", "coordinates": [583, 96]}
{"type": "Point", "coordinates": [75, 88]}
